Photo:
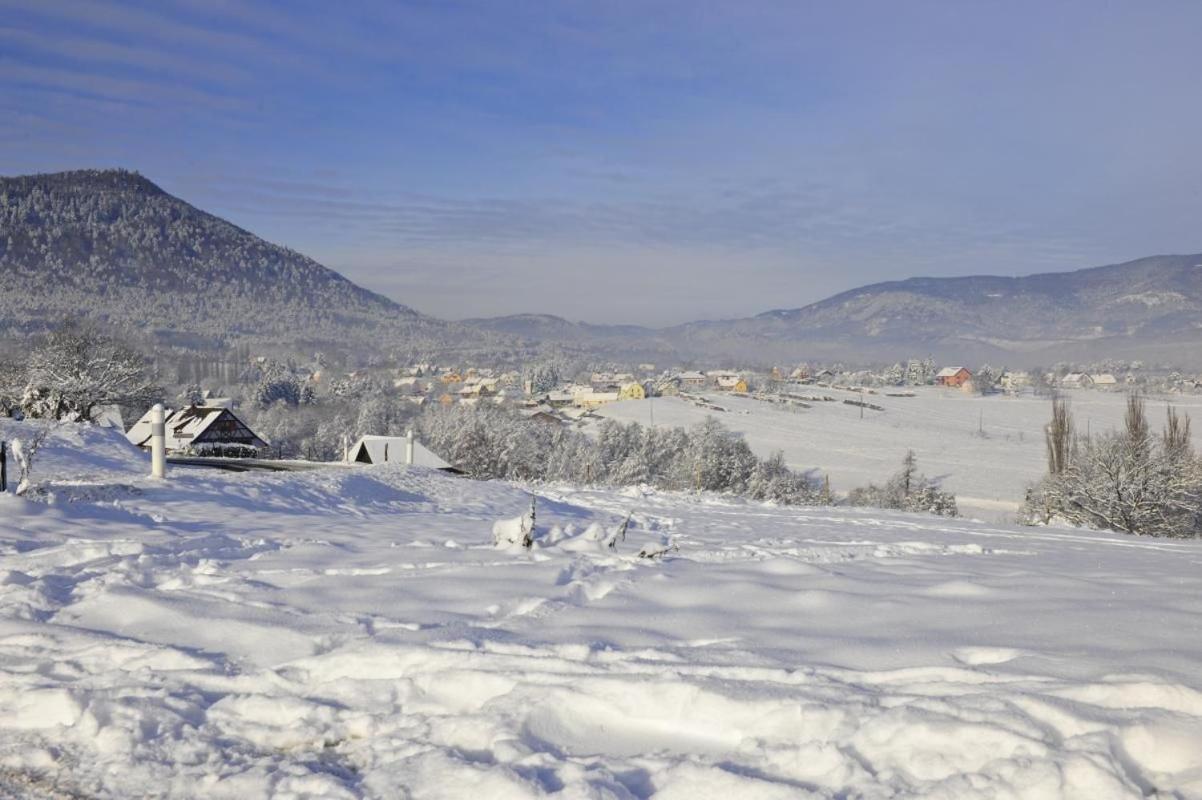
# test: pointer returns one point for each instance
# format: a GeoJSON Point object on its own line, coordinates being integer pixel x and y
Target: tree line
{"type": "Point", "coordinates": [1130, 480]}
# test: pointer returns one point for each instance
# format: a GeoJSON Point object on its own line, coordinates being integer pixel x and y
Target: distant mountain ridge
{"type": "Point", "coordinates": [112, 245]}
{"type": "Point", "coordinates": [1149, 306]}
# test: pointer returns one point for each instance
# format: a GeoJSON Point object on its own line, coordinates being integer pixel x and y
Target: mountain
{"type": "Point", "coordinates": [1151, 307]}
{"type": "Point", "coordinates": [111, 245]}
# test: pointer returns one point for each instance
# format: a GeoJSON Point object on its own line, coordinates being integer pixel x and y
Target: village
{"type": "Point", "coordinates": [215, 426]}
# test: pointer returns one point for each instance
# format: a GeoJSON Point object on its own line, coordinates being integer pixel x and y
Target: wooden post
{"type": "Point", "coordinates": [3, 466]}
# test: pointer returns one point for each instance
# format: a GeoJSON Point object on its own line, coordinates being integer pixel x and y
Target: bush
{"type": "Point", "coordinates": [908, 490]}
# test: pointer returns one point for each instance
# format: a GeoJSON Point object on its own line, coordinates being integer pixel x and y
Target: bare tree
{"type": "Point", "coordinates": [1125, 481]}
{"type": "Point", "coordinates": [1059, 436]}
{"type": "Point", "coordinates": [78, 369]}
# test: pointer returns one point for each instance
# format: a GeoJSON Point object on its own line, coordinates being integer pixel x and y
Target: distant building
{"type": "Point", "coordinates": [733, 383]}
{"type": "Point", "coordinates": [201, 430]}
{"type": "Point", "coordinates": [1104, 380]}
{"type": "Point", "coordinates": [954, 377]}
{"type": "Point", "coordinates": [632, 391]}
{"type": "Point", "coordinates": [559, 399]}
{"type": "Point", "coordinates": [692, 379]}
{"type": "Point", "coordinates": [592, 399]}
{"type": "Point", "coordinates": [1077, 380]}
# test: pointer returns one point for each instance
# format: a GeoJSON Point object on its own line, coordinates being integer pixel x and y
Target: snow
{"type": "Point", "coordinates": [355, 633]}
{"type": "Point", "coordinates": [989, 474]}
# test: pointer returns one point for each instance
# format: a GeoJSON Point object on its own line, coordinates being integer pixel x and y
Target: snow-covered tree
{"type": "Point", "coordinates": [907, 490]}
{"type": "Point", "coordinates": [1128, 480]}
{"type": "Point", "coordinates": [77, 369]}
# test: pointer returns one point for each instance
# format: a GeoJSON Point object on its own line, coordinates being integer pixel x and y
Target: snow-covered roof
{"type": "Point", "coordinates": [949, 372]}
{"type": "Point", "coordinates": [391, 450]}
{"type": "Point", "coordinates": [187, 425]}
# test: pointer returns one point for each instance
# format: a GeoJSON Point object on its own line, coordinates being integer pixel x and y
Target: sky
{"type": "Point", "coordinates": [633, 162]}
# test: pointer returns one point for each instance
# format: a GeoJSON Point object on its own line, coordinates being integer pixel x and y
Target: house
{"type": "Point", "coordinates": [632, 391]}
{"type": "Point", "coordinates": [201, 430]}
{"type": "Point", "coordinates": [1077, 380]}
{"type": "Point", "coordinates": [395, 450]}
{"type": "Point", "coordinates": [559, 399]}
{"type": "Point", "coordinates": [733, 383]}
{"type": "Point", "coordinates": [591, 399]}
{"type": "Point", "coordinates": [669, 387]}
{"type": "Point", "coordinates": [954, 377]}
{"type": "Point", "coordinates": [544, 415]}
{"type": "Point", "coordinates": [478, 387]}
{"type": "Point", "coordinates": [410, 384]}
{"type": "Point", "coordinates": [1105, 380]}
{"type": "Point", "coordinates": [692, 379]}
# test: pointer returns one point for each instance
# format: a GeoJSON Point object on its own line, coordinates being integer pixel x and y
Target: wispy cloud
{"type": "Point", "coordinates": [517, 150]}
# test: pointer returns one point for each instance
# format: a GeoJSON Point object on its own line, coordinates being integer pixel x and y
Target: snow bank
{"type": "Point", "coordinates": [355, 633]}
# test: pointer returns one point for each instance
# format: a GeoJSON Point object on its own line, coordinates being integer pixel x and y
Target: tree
{"type": "Point", "coordinates": [907, 490]}
{"type": "Point", "coordinates": [76, 369]}
{"type": "Point", "coordinates": [1127, 481]}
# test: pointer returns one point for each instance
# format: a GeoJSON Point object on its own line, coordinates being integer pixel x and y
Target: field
{"type": "Point", "coordinates": [355, 633]}
{"type": "Point", "coordinates": [986, 450]}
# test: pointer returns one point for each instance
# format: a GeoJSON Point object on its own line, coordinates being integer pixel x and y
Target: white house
{"type": "Point", "coordinates": [200, 430]}
{"type": "Point", "coordinates": [1076, 380]}
{"type": "Point", "coordinates": [395, 450]}
{"type": "Point", "coordinates": [592, 399]}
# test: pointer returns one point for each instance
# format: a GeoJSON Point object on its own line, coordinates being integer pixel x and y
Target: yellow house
{"type": "Point", "coordinates": [633, 391]}
{"type": "Point", "coordinates": [452, 377]}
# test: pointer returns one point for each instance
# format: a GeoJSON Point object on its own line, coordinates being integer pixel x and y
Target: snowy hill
{"type": "Point", "coordinates": [353, 633]}
{"type": "Point", "coordinates": [1144, 308]}
{"type": "Point", "coordinates": [111, 244]}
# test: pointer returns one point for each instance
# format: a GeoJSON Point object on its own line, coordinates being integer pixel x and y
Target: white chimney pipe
{"type": "Point", "coordinates": [409, 447]}
{"type": "Point", "coordinates": [158, 442]}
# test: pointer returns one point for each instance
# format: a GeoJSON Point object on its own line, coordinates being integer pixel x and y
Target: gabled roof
{"type": "Point", "coordinates": [949, 372]}
{"type": "Point", "coordinates": [188, 425]}
{"type": "Point", "coordinates": [391, 450]}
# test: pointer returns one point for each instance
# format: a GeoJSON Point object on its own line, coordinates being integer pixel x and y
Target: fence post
{"type": "Point", "coordinates": [3, 466]}
{"type": "Point", "coordinates": [409, 447]}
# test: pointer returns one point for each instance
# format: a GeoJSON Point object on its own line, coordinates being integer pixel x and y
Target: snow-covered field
{"type": "Point", "coordinates": [989, 473]}
{"type": "Point", "coordinates": [353, 633]}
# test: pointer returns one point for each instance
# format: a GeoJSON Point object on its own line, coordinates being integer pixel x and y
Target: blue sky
{"type": "Point", "coordinates": [648, 162]}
